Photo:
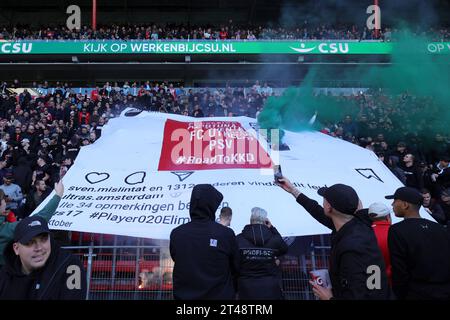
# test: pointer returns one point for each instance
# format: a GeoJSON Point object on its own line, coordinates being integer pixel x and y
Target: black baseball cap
{"type": "Point", "coordinates": [341, 197]}
{"type": "Point", "coordinates": [407, 194]}
{"type": "Point", "coordinates": [29, 228]}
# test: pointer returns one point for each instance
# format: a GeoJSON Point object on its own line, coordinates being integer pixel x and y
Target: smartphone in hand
{"type": "Point", "coordinates": [277, 172]}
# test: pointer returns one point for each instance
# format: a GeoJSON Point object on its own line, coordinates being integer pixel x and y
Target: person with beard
{"type": "Point", "coordinates": [260, 244]}
{"type": "Point", "coordinates": [439, 209]}
{"type": "Point", "coordinates": [37, 268]}
{"type": "Point", "coordinates": [205, 253]}
{"type": "Point", "coordinates": [431, 207]}
{"type": "Point", "coordinates": [35, 197]}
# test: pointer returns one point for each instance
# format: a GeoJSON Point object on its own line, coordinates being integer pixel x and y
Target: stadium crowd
{"type": "Point", "coordinates": [43, 127]}
{"type": "Point", "coordinates": [230, 31]}
{"type": "Point", "coordinates": [41, 135]}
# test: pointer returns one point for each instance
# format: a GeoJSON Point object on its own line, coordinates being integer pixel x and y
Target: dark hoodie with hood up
{"type": "Point", "coordinates": [205, 252]}
{"type": "Point", "coordinates": [260, 277]}
{"type": "Point", "coordinates": [51, 282]}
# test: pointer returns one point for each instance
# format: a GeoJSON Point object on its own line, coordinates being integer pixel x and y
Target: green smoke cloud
{"type": "Point", "coordinates": [418, 81]}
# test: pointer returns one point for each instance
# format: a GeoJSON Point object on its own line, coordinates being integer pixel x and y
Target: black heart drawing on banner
{"type": "Point", "coordinates": [96, 177]}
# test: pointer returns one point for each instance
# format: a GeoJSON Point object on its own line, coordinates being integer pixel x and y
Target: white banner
{"type": "Point", "coordinates": [136, 180]}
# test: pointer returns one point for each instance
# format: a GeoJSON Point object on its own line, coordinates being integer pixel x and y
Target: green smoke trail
{"type": "Point", "coordinates": [419, 82]}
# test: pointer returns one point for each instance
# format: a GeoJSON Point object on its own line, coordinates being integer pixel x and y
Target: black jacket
{"type": "Point", "coordinates": [31, 203]}
{"type": "Point", "coordinates": [48, 283]}
{"type": "Point", "coordinates": [259, 276]}
{"type": "Point", "coordinates": [205, 252]}
{"type": "Point", "coordinates": [354, 249]}
{"type": "Point", "coordinates": [420, 259]}
{"type": "Point", "coordinates": [414, 178]}
{"type": "Point", "coordinates": [23, 175]}
{"type": "Point", "coordinates": [440, 211]}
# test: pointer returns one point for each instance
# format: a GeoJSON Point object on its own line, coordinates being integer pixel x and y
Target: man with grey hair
{"type": "Point", "coordinates": [259, 245]}
{"type": "Point", "coordinates": [259, 216]}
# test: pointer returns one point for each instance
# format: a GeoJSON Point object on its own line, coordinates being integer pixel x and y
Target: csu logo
{"type": "Point", "coordinates": [9, 47]}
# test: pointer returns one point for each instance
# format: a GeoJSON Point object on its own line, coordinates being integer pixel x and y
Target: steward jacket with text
{"type": "Point", "coordinates": [205, 252]}
{"type": "Point", "coordinates": [354, 257]}
{"type": "Point", "coordinates": [62, 278]}
{"type": "Point", "coordinates": [259, 276]}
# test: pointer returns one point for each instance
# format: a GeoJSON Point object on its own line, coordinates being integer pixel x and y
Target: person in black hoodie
{"type": "Point", "coordinates": [205, 252]}
{"type": "Point", "coordinates": [259, 245]}
{"type": "Point", "coordinates": [23, 175]}
{"type": "Point", "coordinates": [354, 246]}
{"type": "Point", "coordinates": [37, 268]}
{"type": "Point", "coordinates": [419, 249]}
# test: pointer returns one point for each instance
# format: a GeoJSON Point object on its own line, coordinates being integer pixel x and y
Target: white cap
{"type": "Point", "coordinates": [378, 210]}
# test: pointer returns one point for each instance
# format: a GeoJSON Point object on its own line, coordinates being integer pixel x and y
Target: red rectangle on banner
{"type": "Point", "coordinates": [210, 145]}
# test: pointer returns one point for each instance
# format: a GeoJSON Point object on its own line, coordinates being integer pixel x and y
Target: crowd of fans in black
{"type": "Point", "coordinates": [398, 130]}
{"type": "Point", "coordinates": [230, 31]}
{"type": "Point", "coordinates": [41, 135]}
{"type": "Point", "coordinates": [43, 127]}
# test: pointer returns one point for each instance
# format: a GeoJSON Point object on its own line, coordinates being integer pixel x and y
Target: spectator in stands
{"type": "Point", "coordinates": [22, 174]}
{"type": "Point", "coordinates": [441, 172]}
{"type": "Point", "coordinates": [431, 207]}
{"type": "Point", "coordinates": [225, 216]}
{"type": "Point", "coordinates": [266, 90]}
{"type": "Point", "coordinates": [400, 153]}
{"type": "Point", "coordinates": [349, 126]}
{"type": "Point", "coordinates": [440, 209]}
{"type": "Point", "coordinates": [43, 171]}
{"type": "Point", "coordinates": [65, 166]}
{"type": "Point", "coordinates": [354, 246]}
{"type": "Point", "coordinates": [35, 197]}
{"type": "Point", "coordinates": [395, 168]}
{"type": "Point", "coordinates": [205, 253]}
{"type": "Point", "coordinates": [260, 244]}
{"type": "Point", "coordinates": [37, 268]}
{"type": "Point", "coordinates": [6, 215]}
{"type": "Point", "coordinates": [13, 193]}
{"type": "Point", "coordinates": [414, 178]}
{"type": "Point", "coordinates": [380, 215]}
{"type": "Point", "coordinates": [419, 249]}
{"type": "Point", "coordinates": [7, 230]}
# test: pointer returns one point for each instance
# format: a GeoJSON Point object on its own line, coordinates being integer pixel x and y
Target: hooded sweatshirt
{"type": "Point", "coordinates": [7, 228]}
{"type": "Point", "coordinates": [260, 277]}
{"type": "Point", "coordinates": [48, 283]}
{"type": "Point", "coordinates": [205, 252]}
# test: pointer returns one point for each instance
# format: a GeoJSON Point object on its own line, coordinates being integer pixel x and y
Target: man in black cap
{"type": "Point", "coordinates": [37, 268]}
{"type": "Point", "coordinates": [353, 243]}
{"type": "Point", "coordinates": [205, 253]}
{"type": "Point", "coordinates": [419, 249]}
{"type": "Point", "coordinates": [7, 229]}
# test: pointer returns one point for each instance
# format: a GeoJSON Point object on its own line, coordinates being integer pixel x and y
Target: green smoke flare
{"type": "Point", "coordinates": [418, 81]}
